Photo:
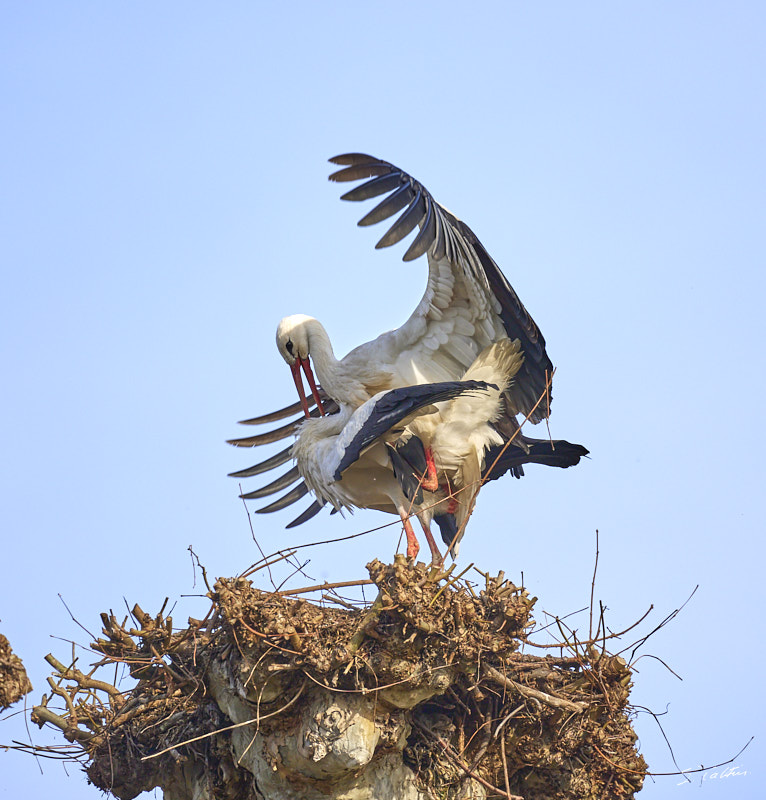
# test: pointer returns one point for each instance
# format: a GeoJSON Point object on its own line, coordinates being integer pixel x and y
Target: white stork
{"type": "Point", "coordinates": [467, 306]}
{"type": "Point", "coordinates": [376, 455]}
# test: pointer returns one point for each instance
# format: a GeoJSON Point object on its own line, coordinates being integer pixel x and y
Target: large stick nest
{"type": "Point", "coordinates": [437, 660]}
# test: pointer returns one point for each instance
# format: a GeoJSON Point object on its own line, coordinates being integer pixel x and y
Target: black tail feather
{"type": "Point", "coordinates": [447, 526]}
{"type": "Point", "coordinates": [558, 453]}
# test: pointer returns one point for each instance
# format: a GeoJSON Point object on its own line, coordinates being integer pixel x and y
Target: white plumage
{"type": "Point", "coordinates": [458, 432]}
{"type": "Point", "coordinates": [467, 308]}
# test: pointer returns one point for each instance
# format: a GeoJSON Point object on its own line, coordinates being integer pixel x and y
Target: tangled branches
{"type": "Point", "coordinates": [425, 690]}
{"type": "Point", "coordinates": [14, 682]}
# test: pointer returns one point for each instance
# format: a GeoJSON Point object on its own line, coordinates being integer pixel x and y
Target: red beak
{"type": "Point", "coordinates": [295, 368]}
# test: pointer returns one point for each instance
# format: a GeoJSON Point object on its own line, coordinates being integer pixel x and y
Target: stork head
{"type": "Point", "coordinates": [293, 344]}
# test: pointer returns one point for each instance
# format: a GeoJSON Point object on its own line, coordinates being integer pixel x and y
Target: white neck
{"type": "Point", "coordinates": [343, 388]}
{"type": "Point", "coordinates": [320, 349]}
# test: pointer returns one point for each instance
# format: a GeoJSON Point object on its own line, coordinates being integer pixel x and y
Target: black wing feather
{"type": "Point", "coordinates": [282, 482]}
{"type": "Point", "coordinates": [275, 416]}
{"type": "Point", "coordinates": [310, 512]}
{"type": "Point", "coordinates": [286, 500]}
{"type": "Point", "coordinates": [397, 404]}
{"type": "Point", "coordinates": [443, 234]}
{"type": "Point", "coordinates": [386, 208]}
{"type": "Point", "coordinates": [330, 406]}
{"type": "Point", "coordinates": [264, 466]}
{"type": "Point", "coordinates": [374, 188]}
{"type": "Point", "coordinates": [406, 222]}
{"type": "Point", "coordinates": [267, 438]}
{"type": "Point", "coordinates": [359, 171]}
{"type": "Point", "coordinates": [408, 460]}
{"type": "Point", "coordinates": [426, 236]}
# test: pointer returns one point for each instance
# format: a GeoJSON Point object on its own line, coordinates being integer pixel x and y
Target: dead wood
{"type": "Point", "coordinates": [423, 693]}
{"type": "Point", "coordinates": [14, 683]}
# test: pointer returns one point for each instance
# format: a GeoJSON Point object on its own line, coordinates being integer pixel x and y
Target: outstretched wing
{"type": "Point", "coordinates": [290, 478]}
{"type": "Point", "coordinates": [468, 303]}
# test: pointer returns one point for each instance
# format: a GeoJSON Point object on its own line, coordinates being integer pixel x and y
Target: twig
{"type": "Point", "coordinates": [364, 690]}
{"type": "Point", "coordinates": [259, 565]}
{"type": "Point", "coordinates": [301, 570]}
{"type": "Point", "coordinates": [656, 658]}
{"type": "Point", "coordinates": [449, 583]}
{"type": "Point", "coordinates": [488, 472]}
{"type": "Point", "coordinates": [540, 399]}
{"type": "Point", "coordinates": [46, 715]}
{"type": "Point", "coordinates": [350, 536]}
{"type": "Point", "coordinates": [73, 617]}
{"type": "Point", "coordinates": [229, 728]}
{"type": "Point", "coordinates": [320, 587]}
{"type": "Point", "coordinates": [448, 751]}
{"type": "Point", "coordinates": [548, 407]}
{"type": "Point", "coordinates": [672, 615]}
{"type": "Point", "coordinates": [57, 690]}
{"type": "Point", "coordinates": [662, 731]}
{"type": "Point", "coordinates": [592, 590]}
{"type": "Point", "coordinates": [508, 717]}
{"type": "Point", "coordinates": [679, 772]}
{"type": "Point", "coordinates": [202, 568]}
{"type": "Point", "coordinates": [298, 568]}
{"type": "Point", "coordinates": [610, 636]}
{"type": "Point", "coordinates": [556, 619]}
{"type": "Point", "coordinates": [252, 533]}
{"type": "Point", "coordinates": [61, 752]}
{"type": "Point", "coordinates": [505, 766]}
{"type": "Point", "coordinates": [267, 639]}
{"type": "Point", "coordinates": [69, 673]}
{"type": "Point", "coordinates": [528, 691]}
{"type": "Point", "coordinates": [336, 598]}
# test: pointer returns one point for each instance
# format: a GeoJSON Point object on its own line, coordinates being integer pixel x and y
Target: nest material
{"type": "Point", "coordinates": [425, 689]}
{"type": "Point", "coordinates": [14, 683]}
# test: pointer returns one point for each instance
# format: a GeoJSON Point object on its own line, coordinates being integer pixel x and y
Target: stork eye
{"type": "Point", "coordinates": [289, 347]}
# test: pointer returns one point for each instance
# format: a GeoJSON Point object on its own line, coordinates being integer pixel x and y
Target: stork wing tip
{"type": "Point", "coordinates": [349, 159]}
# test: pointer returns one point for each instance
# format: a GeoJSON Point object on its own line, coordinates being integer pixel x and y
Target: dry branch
{"type": "Point", "coordinates": [14, 683]}
{"type": "Point", "coordinates": [424, 691]}
{"type": "Point", "coordinates": [535, 694]}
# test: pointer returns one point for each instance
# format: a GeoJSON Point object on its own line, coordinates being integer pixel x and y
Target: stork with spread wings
{"type": "Point", "coordinates": [468, 306]}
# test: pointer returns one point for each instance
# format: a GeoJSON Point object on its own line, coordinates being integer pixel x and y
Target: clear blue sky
{"type": "Point", "coordinates": [165, 203]}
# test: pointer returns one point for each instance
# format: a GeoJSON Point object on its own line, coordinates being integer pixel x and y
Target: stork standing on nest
{"type": "Point", "coordinates": [467, 306]}
{"type": "Point", "coordinates": [375, 456]}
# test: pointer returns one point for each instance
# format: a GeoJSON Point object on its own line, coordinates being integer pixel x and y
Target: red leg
{"type": "Point", "coordinates": [413, 547]}
{"type": "Point", "coordinates": [430, 482]}
{"type": "Point", "coordinates": [436, 557]}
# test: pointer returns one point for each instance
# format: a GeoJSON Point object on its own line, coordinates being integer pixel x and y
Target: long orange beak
{"type": "Point", "coordinates": [295, 368]}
